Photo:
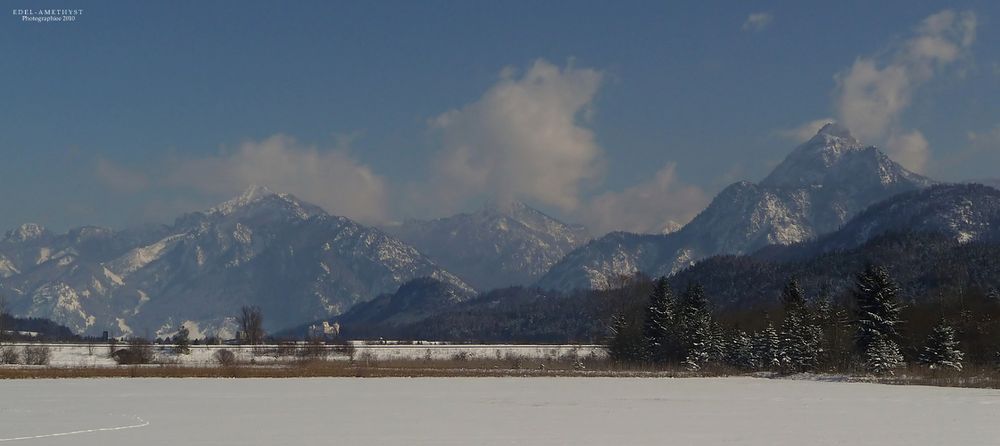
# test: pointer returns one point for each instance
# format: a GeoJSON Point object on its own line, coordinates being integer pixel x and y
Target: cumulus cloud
{"type": "Point", "coordinates": [331, 178]}
{"type": "Point", "coordinates": [525, 138]}
{"type": "Point", "coordinates": [658, 204]}
{"type": "Point", "coordinates": [805, 131]}
{"type": "Point", "coordinates": [872, 95]}
{"type": "Point", "coordinates": [909, 149]}
{"type": "Point", "coordinates": [757, 21]}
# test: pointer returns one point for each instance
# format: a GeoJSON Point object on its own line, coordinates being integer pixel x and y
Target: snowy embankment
{"type": "Point", "coordinates": [487, 411]}
{"type": "Point", "coordinates": [97, 355]}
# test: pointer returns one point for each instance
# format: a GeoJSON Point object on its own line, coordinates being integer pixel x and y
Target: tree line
{"type": "Point", "coordinates": [864, 333]}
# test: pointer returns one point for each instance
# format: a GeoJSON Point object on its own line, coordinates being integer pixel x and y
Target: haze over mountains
{"type": "Point", "coordinates": [300, 264]}
{"type": "Point", "coordinates": [500, 245]}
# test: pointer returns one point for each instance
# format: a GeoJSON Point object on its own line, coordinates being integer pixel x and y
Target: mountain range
{"type": "Point", "coordinates": [816, 189]}
{"type": "Point", "coordinates": [261, 248]}
{"type": "Point", "coordinates": [502, 244]}
{"type": "Point", "coordinates": [928, 239]}
{"type": "Point", "coordinates": [832, 195]}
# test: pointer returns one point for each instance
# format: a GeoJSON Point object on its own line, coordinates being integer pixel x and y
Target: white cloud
{"type": "Point", "coordinates": [647, 207]}
{"type": "Point", "coordinates": [872, 95]}
{"type": "Point", "coordinates": [909, 149]}
{"type": "Point", "coordinates": [525, 138]}
{"type": "Point", "coordinates": [805, 131]}
{"type": "Point", "coordinates": [757, 21]}
{"type": "Point", "coordinates": [332, 179]}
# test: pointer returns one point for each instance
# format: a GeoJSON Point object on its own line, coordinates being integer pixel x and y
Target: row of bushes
{"type": "Point", "coordinates": [28, 355]}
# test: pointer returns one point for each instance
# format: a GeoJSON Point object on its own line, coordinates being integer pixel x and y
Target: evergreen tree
{"type": "Point", "coordinates": [767, 348]}
{"type": "Point", "coordinates": [625, 343]}
{"type": "Point", "coordinates": [941, 348]}
{"type": "Point", "coordinates": [656, 330]}
{"type": "Point", "coordinates": [834, 324]}
{"type": "Point", "coordinates": [716, 342]}
{"type": "Point", "coordinates": [882, 356]}
{"type": "Point", "coordinates": [877, 317]}
{"type": "Point", "coordinates": [695, 327]}
{"type": "Point", "coordinates": [800, 338]}
{"type": "Point", "coordinates": [740, 352]}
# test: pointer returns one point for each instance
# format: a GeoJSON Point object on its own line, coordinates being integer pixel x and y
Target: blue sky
{"type": "Point", "coordinates": [621, 115]}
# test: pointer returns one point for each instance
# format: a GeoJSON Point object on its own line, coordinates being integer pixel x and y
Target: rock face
{"type": "Point", "coordinates": [262, 248]}
{"type": "Point", "coordinates": [497, 246]}
{"type": "Point", "coordinates": [816, 189]}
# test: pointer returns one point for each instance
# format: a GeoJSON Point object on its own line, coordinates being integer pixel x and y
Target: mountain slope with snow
{"type": "Point", "coordinates": [262, 248]}
{"type": "Point", "coordinates": [497, 246]}
{"type": "Point", "coordinates": [817, 188]}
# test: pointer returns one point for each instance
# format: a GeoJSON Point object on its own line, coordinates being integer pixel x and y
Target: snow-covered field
{"type": "Point", "coordinates": [96, 355]}
{"type": "Point", "coordinates": [493, 411]}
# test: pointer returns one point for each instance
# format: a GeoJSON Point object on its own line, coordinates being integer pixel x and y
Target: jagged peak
{"type": "Point", "coordinates": [811, 161]}
{"type": "Point", "coordinates": [26, 232]}
{"type": "Point", "coordinates": [835, 130]}
{"type": "Point", "coordinates": [256, 194]}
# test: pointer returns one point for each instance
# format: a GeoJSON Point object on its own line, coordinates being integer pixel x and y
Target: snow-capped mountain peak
{"type": "Point", "coordinates": [251, 195]}
{"type": "Point", "coordinates": [26, 232]}
{"type": "Point", "coordinates": [834, 157]}
{"type": "Point", "coordinates": [501, 244]}
{"type": "Point", "coordinates": [816, 189]}
{"type": "Point", "coordinates": [259, 196]}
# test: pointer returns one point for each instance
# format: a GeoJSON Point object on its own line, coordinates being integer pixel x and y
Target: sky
{"type": "Point", "coordinates": [618, 115]}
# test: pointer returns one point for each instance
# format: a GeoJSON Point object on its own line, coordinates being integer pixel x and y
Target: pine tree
{"type": "Point", "coordinates": [882, 356]}
{"type": "Point", "coordinates": [695, 327]}
{"type": "Point", "coordinates": [800, 338]}
{"type": "Point", "coordinates": [740, 352]}
{"type": "Point", "coordinates": [941, 348]}
{"type": "Point", "coordinates": [625, 343]}
{"type": "Point", "coordinates": [767, 348]}
{"type": "Point", "coordinates": [877, 316]}
{"type": "Point", "coordinates": [716, 342]}
{"type": "Point", "coordinates": [656, 329]}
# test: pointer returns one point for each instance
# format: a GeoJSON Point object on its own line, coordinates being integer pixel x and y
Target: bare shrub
{"type": "Point", "coordinates": [286, 349]}
{"type": "Point", "coordinates": [225, 358]}
{"type": "Point", "coordinates": [36, 354]}
{"type": "Point", "coordinates": [367, 357]}
{"type": "Point", "coordinates": [514, 360]}
{"type": "Point", "coordinates": [460, 356]}
{"type": "Point", "coordinates": [9, 355]}
{"type": "Point", "coordinates": [137, 351]}
{"type": "Point", "coordinates": [345, 348]}
{"type": "Point", "coordinates": [313, 350]}
{"type": "Point", "coordinates": [251, 321]}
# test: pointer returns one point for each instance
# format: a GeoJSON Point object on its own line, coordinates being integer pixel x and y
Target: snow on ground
{"type": "Point", "coordinates": [96, 355]}
{"type": "Point", "coordinates": [493, 411]}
